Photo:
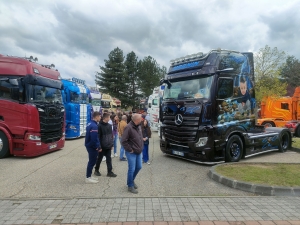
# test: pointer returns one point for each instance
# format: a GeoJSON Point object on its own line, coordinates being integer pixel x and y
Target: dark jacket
{"type": "Point", "coordinates": [132, 138]}
{"type": "Point", "coordinates": [146, 133]}
{"type": "Point", "coordinates": [91, 137]}
{"type": "Point", "coordinates": [105, 135]}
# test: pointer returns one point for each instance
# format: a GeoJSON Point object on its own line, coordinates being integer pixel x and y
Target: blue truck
{"type": "Point", "coordinates": [76, 97]}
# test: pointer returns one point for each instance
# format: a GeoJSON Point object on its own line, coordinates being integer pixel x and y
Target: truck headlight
{"type": "Point", "coordinates": [201, 142]}
{"type": "Point", "coordinates": [33, 137]}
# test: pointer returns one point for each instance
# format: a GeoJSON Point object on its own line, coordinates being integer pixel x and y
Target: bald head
{"type": "Point", "coordinates": [124, 117]}
{"type": "Point", "coordinates": [137, 118]}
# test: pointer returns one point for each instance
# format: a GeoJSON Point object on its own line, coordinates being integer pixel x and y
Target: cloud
{"type": "Point", "coordinates": [78, 36]}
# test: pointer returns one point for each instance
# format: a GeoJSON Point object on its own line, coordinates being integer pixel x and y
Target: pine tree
{"type": "Point", "coordinates": [131, 66]}
{"type": "Point", "coordinates": [112, 78]}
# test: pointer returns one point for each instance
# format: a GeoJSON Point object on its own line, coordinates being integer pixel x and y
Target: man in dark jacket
{"type": "Point", "coordinates": [132, 141]}
{"type": "Point", "coordinates": [107, 143]}
{"type": "Point", "coordinates": [92, 145]}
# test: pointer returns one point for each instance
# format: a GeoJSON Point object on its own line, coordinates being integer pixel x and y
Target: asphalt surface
{"type": "Point", "coordinates": [61, 174]}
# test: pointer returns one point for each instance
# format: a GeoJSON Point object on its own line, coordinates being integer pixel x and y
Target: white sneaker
{"type": "Point", "coordinates": [116, 155]}
{"type": "Point", "coordinates": [148, 163]}
{"type": "Point", "coordinates": [112, 155]}
{"type": "Point", "coordinates": [90, 180]}
{"type": "Point", "coordinates": [94, 178]}
{"type": "Point", "coordinates": [103, 159]}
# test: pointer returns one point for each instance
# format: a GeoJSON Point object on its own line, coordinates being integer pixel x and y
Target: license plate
{"type": "Point", "coordinates": [178, 153]}
{"type": "Point", "coordinates": [52, 146]}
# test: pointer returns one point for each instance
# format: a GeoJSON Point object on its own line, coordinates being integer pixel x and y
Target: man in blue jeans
{"type": "Point", "coordinates": [92, 145]}
{"type": "Point", "coordinates": [132, 141]}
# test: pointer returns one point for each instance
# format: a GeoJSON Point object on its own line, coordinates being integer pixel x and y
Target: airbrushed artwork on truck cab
{"type": "Point", "coordinates": [236, 97]}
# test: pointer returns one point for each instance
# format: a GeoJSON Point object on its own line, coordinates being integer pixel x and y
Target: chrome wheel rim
{"type": "Point", "coordinates": [1, 144]}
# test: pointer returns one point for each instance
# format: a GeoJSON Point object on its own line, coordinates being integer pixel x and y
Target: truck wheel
{"type": "Point", "coordinates": [234, 149]}
{"type": "Point", "coordinates": [4, 149]}
{"type": "Point", "coordinates": [268, 124]}
{"type": "Point", "coordinates": [284, 141]}
{"type": "Point", "coordinates": [297, 133]}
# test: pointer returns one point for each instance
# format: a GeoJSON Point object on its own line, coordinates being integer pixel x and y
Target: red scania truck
{"type": "Point", "coordinates": [31, 108]}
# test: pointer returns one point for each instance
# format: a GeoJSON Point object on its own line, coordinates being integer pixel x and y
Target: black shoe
{"type": "Point", "coordinates": [135, 186]}
{"type": "Point", "coordinates": [123, 159]}
{"type": "Point", "coordinates": [97, 173]}
{"type": "Point", "coordinates": [132, 190]}
{"type": "Point", "coordinates": [111, 174]}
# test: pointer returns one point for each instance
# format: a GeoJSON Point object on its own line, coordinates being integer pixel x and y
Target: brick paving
{"type": "Point", "coordinates": [153, 211]}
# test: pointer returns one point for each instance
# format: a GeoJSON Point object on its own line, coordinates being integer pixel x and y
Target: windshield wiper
{"type": "Point", "coordinates": [168, 98]}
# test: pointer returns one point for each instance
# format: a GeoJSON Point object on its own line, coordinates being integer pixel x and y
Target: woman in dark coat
{"type": "Point", "coordinates": [146, 135]}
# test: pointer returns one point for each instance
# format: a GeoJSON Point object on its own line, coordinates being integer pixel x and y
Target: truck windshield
{"type": "Point", "coordinates": [83, 98]}
{"type": "Point", "coordinates": [192, 88]}
{"type": "Point", "coordinates": [39, 93]}
{"type": "Point", "coordinates": [105, 104]}
{"type": "Point", "coordinates": [96, 102]}
{"type": "Point", "coordinates": [74, 97]}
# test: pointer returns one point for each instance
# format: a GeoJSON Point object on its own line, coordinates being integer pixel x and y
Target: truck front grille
{"type": "Point", "coordinates": [182, 133]}
{"type": "Point", "coordinates": [51, 122]}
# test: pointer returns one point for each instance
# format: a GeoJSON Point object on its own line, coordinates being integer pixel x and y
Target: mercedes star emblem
{"type": "Point", "coordinates": [178, 119]}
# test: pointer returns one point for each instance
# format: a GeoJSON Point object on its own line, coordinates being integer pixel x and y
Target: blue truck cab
{"type": "Point", "coordinates": [76, 97]}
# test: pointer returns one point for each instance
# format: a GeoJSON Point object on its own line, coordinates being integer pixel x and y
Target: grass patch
{"type": "Point", "coordinates": [277, 174]}
{"type": "Point", "coordinates": [296, 142]}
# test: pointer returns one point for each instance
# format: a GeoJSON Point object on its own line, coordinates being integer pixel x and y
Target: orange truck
{"type": "Point", "coordinates": [281, 112]}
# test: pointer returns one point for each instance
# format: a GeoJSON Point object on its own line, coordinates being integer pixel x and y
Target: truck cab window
{"type": "Point", "coordinates": [6, 88]}
{"type": "Point", "coordinates": [285, 106]}
{"type": "Point", "coordinates": [225, 88]}
{"type": "Point", "coordinates": [155, 102]}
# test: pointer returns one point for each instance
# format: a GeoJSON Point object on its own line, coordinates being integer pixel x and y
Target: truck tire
{"type": "Point", "coordinates": [284, 141]}
{"type": "Point", "coordinates": [4, 148]}
{"type": "Point", "coordinates": [234, 149]}
{"type": "Point", "coordinates": [297, 133]}
{"type": "Point", "coordinates": [268, 124]}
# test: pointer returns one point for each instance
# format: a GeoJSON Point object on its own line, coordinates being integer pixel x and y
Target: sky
{"type": "Point", "coordinates": [77, 36]}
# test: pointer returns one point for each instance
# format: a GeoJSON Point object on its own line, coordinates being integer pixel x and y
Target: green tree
{"type": "Point", "coordinates": [269, 87]}
{"type": "Point", "coordinates": [267, 64]}
{"type": "Point", "coordinates": [131, 68]}
{"type": "Point", "coordinates": [290, 72]}
{"type": "Point", "coordinates": [112, 79]}
{"type": "Point", "coordinates": [149, 75]}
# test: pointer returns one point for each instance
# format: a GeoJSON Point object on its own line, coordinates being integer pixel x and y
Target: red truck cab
{"type": "Point", "coordinates": [31, 112]}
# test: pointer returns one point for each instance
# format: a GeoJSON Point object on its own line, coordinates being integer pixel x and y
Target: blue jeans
{"type": "Point", "coordinates": [115, 143]}
{"type": "Point", "coordinates": [121, 149]}
{"type": "Point", "coordinates": [134, 166]}
{"type": "Point", "coordinates": [93, 154]}
{"type": "Point", "coordinates": [146, 153]}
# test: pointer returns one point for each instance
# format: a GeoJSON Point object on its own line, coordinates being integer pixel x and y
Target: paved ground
{"type": "Point", "coordinates": [62, 174]}
{"type": "Point", "coordinates": [149, 209]}
{"type": "Point", "coordinates": [50, 190]}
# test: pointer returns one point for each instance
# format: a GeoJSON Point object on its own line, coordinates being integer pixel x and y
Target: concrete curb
{"type": "Point", "coordinates": [258, 189]}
